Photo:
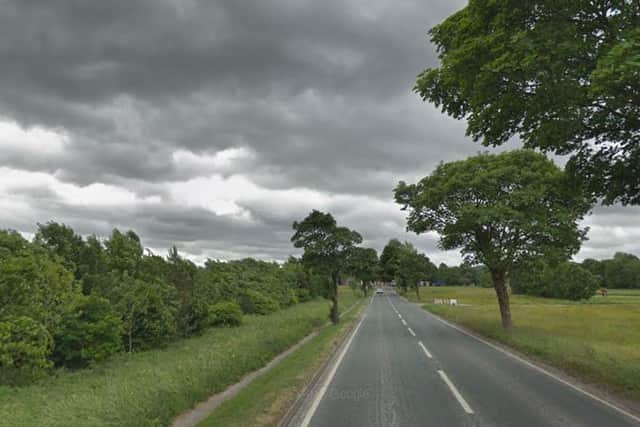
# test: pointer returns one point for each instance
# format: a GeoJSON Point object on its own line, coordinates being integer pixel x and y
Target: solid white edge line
{"type": "Point", "coordinates": [332, 373]}
{"type": "Point", "coordinates": [539, 369]}
{"type": "Point", "coordinates": [411, 332]}
{"type": "Point", "coordinates": [455, 392]}
{"type": "Point", "coordinates": [425, 350]}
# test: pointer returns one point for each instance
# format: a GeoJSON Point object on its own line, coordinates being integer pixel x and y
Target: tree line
{"type": "Point", "coordinates": [72, 302]}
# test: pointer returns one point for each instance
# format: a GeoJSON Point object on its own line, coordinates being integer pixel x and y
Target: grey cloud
{"type": "Point", "coordinates": [319, 92]}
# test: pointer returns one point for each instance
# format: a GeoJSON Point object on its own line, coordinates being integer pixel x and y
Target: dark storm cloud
{"type": "Point", "coordinates": [148, 93]}
{"type": "Point", "coordinates": [296, 81]}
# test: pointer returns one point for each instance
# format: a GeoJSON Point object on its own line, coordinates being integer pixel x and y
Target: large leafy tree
{"type": "Point", "coordinates": [564, 76]}
{"type": "Point", "coordinates": [362, 263]}
{"type": "Point", "coordinates": [389, 259]}
{"type": "Point", "coordinates": [61, 240]}
{"type": "Point", "coordinates": [500, 210]}
{"type": "Point", "coordinates": [413, 268]}
{"type": "Point", "coordinates": [326, 246]}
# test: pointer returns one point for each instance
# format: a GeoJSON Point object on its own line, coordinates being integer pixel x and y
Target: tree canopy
{"type": "Point", "coordinates": [500, 210]}
{"type": "Point", "coordinates": [71, 301]}
{"type": "Point", "coordinates": [362, 263]}
{"type": "Point", "coordinates": [563, 76]}
{"type": "Point", "coordinates": [326, 246]}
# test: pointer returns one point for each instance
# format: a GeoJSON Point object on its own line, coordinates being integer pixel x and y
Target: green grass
{"type": "Point", "coordinates": [151, 388]}
{"type": "Point", "coordinates": [266, 400]}
{"type": "Point", "coordinates": [597, 340]}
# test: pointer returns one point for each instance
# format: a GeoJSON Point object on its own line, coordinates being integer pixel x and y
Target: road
{"type": "Point", "coordinates": [405, 367]}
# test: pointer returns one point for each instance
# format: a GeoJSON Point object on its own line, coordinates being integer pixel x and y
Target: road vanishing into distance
{"type": "Point", "coordinates": [405, 367]}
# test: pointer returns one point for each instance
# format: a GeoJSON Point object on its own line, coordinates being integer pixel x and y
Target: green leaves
{"type": "Point", "coordinates": [325, 244]}
{"type": "Point", "coordinates": [499, 209]}
{"type": "Point", "coordinates": [25, 345]}
{"type": "Point", "coordinates": [326, 248]}
{"type": "Point", "coordinates": [562, 76]}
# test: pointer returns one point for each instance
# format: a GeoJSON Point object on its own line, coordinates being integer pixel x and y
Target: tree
{"type": "Point", "coordinates": [500, 210]}
{"type": "Point", "coordinates": [181, 275]}
{"type": "Point", "coordinates": [61, 240]}
{"type": "Point", "coordinates": [564, 76]}
{"type": "Point", "coordinates": [325, 248]}
{"type": "Point", "coordinates": [413, 268]}
{"type": "Point", "coordinates": [25, 345]}
{"type": "Point", "coordinates": [389, 260]}
{"type": "Point", "coordinates": [594, 267]}
{"type": "Point", "coordinates": [565, 280]}
{"type": "Point", "coordinates": [124, 251]}
{"type": "Point", "coordinates": [89, 333]}
{"type": "Point", "coordinates": [146, 310]}
{"type": "Point", "coordinates": [623, 271]}
{"type": "Point", "coordinates": [32, 283]}
{"type": "Point", "coordinates": [362, 263]}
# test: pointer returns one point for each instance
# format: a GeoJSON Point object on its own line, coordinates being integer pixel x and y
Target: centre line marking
{"type": "Point", "coordinates": [404, 323]}
{"type": "Point", "coordinates": [456, 393]}
{"type": "Point", "coordinates": [425, 350]}
{"type": "Point", "coordinates": [411, 332]}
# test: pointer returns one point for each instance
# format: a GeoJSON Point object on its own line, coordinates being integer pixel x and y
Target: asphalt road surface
{"type": "Point", "coordinates": [405, 367]}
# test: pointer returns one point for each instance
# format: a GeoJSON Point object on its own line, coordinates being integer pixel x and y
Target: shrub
{"type": "Point", "coordinates": [570, 281]}
{"type": "Point", "coordinates": [25, 345]}
{"type": "Point", "coordinates": [225, 313]}
{"type": "Point", "coordinates": [253, 302]}
{"type": "Point", "coordinates": [303, 294]}
{"type": "Point", "coordinates": [90, 332]}
{"type": "Point", "coordinates": [566, 281]}
{"type": "Point", "coordinates": [293, 297]}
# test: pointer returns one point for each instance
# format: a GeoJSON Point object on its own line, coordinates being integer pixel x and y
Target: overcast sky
{"type": "Point", "coordinates": [213, 125]}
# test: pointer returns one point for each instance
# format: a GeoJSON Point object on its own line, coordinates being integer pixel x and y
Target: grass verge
{"type": "Point", "coordinates": [265, 401]}
{"type": "Point", "coordinates": [151, 388]}
{"type": "Point", "coordinates": [597, 340]}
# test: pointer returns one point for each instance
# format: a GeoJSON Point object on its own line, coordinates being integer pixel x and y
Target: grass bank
{"type": "Point", "coordinates": [597, 340]}
{"type": "Point", "coordinates": [266, 400]}
{"type": "Point", "coordinates": [150, 388]}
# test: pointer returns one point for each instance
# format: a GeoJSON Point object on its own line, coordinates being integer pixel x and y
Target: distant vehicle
{"type": "Point", "coordinates": [379, 291]}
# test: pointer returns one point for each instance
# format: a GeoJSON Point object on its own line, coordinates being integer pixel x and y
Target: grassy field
{"type": "Point", "coordinates": [597, 340]}
{"type": "Point", "coordinates": [266, 400]}
{"type": "Point", "coordinates": [150, 388]}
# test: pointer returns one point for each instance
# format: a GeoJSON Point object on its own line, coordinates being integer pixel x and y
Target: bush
{"type": "Point", "coordinates": [24, 349]}
{"type": "Point", "coordinates": [293, 297]}
{"type": "Point", "coordinates": [303, 294]}
{"type": "Point", "coordinates": [565, 281]}
{"type": "Point", "coordinates": [253, 302]}
{"type": "Point", "coordinates": [570, 281]}
{"type": "Point", "coordinates": [226, 313]}
{"type": "Point", "coordinates": [89, 333]}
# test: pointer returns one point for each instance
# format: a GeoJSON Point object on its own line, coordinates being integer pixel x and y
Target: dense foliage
{"type": "Point", "coordinates": [564, 76]}
{"type": "Point", "coordinates": [620, 272]}
{"type": "Point", "coordinates": [71, 301]}
{"type": "Point", "coordinates": [564, 280]}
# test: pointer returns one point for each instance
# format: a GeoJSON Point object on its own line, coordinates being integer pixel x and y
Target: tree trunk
{"type": "Point", "coordinates": [335, 314]}
{"type": "Point", "coordinates": [499, 279]}
{"type": "Point", "coordinates": [418, 291]}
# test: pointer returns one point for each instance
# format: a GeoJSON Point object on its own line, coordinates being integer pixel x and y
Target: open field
{"type": "Point", "coordinates": [597, 340]}
{"type": "Point", "coordinates": [266, 400]}
{"type": "Point", "coordinates": [150, 388]}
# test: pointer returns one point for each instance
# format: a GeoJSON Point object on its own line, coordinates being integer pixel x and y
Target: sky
{"type": "Point", "coordinates": [213, 125]}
